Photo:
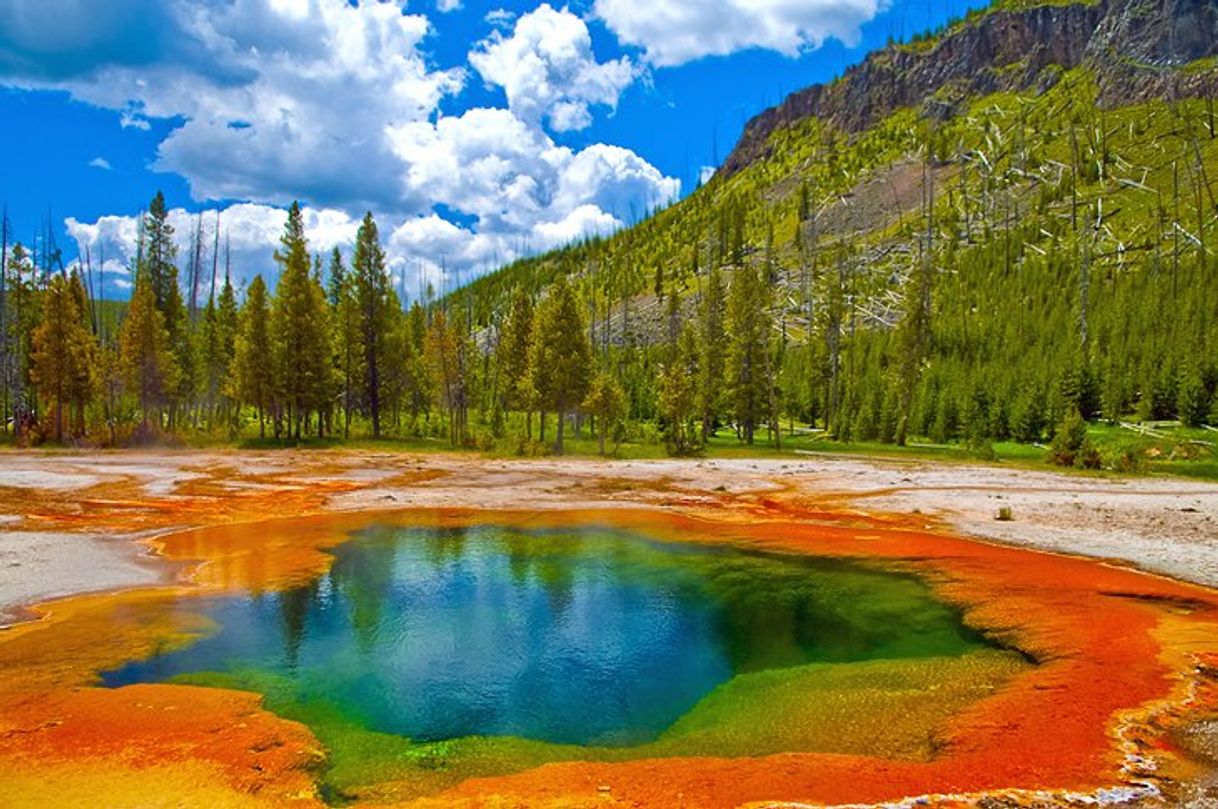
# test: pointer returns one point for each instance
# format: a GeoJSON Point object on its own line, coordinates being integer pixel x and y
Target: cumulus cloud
{"type": "Point", "coordinates": [100, 163]}
{"type": "Point", "coordinates": [277, 98]}
{"type": "Point", "coordinates": [548, 70]}
{"type": "Point", "coordinates": [513, 177]}
{"type": "Point", "coordinates": [675, 33]}
{"type": "Point", "coordinates": [338, 105]}
{"type": "Point", "coordinates": [420, 251]}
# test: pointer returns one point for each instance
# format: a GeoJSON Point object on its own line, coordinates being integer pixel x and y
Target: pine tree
{"type": "Point", "coordinates": [226, 332]}
{"type": "Point", "coordinates": [711, 363]}
{"type": "Point", "coordinates": [63, 352]}
{"type": "Point", "coordinates": [678, 395]}
{"type": "Point", "coordinates": [252, 378]}
{"type": "Point", "coordinates": [372, 296]}
{"type": "Point", "coordinates": [336, 279]}
{"type": "Point", "coordinates": [344, 315]}
{"type": "Point", "coordinates": [1192, 399]}
{"type": "Point", "coordinates": [512, 357]}
{"type": "Point", "coordinates": [561, 359]}
{"type": "Point", "coordinates": [421, 392]}
{"type": "Point", "coordinates": [147, 358]}
{"type": "Point", "coordinates": [108, 389]}
{"type": "Point", "coordinates": [211, 357]}
{"type": "Point", "coordinates": [446, 354]}
{"type": "Point", "coordinates": [749, 372]}
{"type": "Point", "coordinates": [401, 372]}
{"type": "Point", "coordinates": [299, 330]}
{"type": "Point", "coordinates": [606, 403]}
{"type": "Point", "coordinates": [157, 264]}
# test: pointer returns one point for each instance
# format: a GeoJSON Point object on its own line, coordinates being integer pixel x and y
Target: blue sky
{"type": "Point", "coordinates": [475, 132]}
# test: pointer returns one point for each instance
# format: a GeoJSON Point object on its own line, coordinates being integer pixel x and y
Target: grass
{"type": "Point", "coordinates": [1172, 450]}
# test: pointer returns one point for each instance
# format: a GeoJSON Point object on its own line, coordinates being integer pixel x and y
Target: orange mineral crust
{"type": "Point", "coordinates": [1122, 661]}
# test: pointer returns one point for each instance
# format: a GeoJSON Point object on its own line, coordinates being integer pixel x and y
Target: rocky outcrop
{"type": "Point", "coordinates": [1156, 33]}
{"type": "Point", "coordinates": [1134, 44]}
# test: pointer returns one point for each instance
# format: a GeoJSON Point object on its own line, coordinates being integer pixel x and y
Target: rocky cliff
{"type": "Point", "coordinates": [1135, 46]}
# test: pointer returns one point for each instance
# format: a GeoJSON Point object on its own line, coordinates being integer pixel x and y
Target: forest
{"type": "Point", "coordinates": [973, 271]}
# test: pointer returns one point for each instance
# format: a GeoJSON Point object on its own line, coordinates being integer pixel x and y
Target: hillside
{"type": "Point", "coordinates": [964, 235]}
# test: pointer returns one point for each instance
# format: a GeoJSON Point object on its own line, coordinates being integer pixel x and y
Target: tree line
{"type": "Point", "coordinates": [1049, 262]}
{"type": "Point", "coordinates": [332, 350]}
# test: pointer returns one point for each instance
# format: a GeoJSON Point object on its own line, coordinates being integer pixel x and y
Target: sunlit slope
{"type": "Point", "coordinates": [1067, 236]}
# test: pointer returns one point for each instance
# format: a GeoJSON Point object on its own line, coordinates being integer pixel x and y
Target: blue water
{"type": "Point", "coordinates": [591, 636]}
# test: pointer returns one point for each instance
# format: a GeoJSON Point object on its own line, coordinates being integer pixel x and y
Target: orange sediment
{"type": "Point", "coordinates": [1121, 656]}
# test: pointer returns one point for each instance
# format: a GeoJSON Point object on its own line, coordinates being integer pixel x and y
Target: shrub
{"type": "Point", "coordinates": [1127, 462]}
{"type": "Point", "coordinates": [1071, 445]}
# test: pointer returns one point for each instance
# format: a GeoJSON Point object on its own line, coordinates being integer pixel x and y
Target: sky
{"type": "Point", "coordinates": [474, 132]}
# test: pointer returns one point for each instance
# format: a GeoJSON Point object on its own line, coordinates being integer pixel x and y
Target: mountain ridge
{"type": "Point", "coordinates": [1128, 43]}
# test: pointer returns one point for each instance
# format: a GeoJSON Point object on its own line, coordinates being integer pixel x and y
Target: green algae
{"type": "Point", "coordinates": [893, 709]}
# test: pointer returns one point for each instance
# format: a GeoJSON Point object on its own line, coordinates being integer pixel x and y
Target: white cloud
{"type": "Point", "coordinates": [548, 70]}
{"type": "Point", "coordinates": [705, 174]}
{"type": "Point", "coordinates": [445, 6]}
{"type": "Point", "coordinates": [277, 99]}
{"type": "Point", "coordinates": [679, 32]}
{"type": "Point", "coordinates": [491, 164]}
{"type": "Point", "coordinates": [100, 163]}
{"type": "Point", "coordinates": [131, 118]}
{"type": "Point", "coordinates": [266, 101]}
{"type": "Point", "coordinates": [584, 221]}
{"type": "Point", "coordinates": [500, 18]}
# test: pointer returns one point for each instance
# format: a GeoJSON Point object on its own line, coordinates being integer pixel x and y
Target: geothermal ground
{"type": "Point", "coordinates": [1107, 583]}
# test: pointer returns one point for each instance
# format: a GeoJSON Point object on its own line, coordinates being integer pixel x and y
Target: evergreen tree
{"type": "Point", "coordinates": [711, 363]}
{"type": "Point", "coordinates": [157, 263]}
{"type": "Point", "coordinates": [344, 315]}
{"type": "Point", "coordinates": [211, 357]}
{"type": "Point", "coordinates": [253, 377]}
{"type": "Point", "coordinates": [1071, 445]}
{"type": "Point", "coordinates": [421, 390]}
{"type": "Point", "coordinates": [606, 403]}
{"type": "Point", "coordinates": [749, 372]}
{"type": "Point", "coordinates": [300, 333]}
{"type": "Point", "coordinates": [402, 370]}
{"type": "Point", "coordinates": [336, 279]}
{"type": "Point", "coordinates": [678, 395]}
{"type": "Point", "coordinates": [149, 366]}
{"type": "Point", "coordinates": [372, 296]}
{"type": "Point", "coordinates": [512, 356]}
{"type": "Point", "coordinates": [108, 386]}
{"type": "Point", "coordinates": [226, 334]}
{"type": "Point", "coordinates": [561, 357]}
{"type": "Point", "coordinates": [1192, 403]}
{"type": "Point", "coordinates": [445, 350]}
{"type": "Point", "coordinates": [63, 352]}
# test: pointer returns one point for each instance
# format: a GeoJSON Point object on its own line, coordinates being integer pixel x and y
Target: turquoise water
{"type": "Point", "coordinates": [592, 636]}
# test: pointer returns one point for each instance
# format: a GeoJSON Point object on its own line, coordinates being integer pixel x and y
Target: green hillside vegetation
{"type": "Point", "coordinates": [972, 279]}
{"type": "Point", "coordinates": [1025, 274]}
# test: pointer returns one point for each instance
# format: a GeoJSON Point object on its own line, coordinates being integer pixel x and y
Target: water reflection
{"type": "Point", "coordinates": [590, 636]}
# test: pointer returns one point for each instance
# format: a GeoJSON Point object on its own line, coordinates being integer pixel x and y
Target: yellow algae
{"type": "Point", "coordinates": [116, 784]}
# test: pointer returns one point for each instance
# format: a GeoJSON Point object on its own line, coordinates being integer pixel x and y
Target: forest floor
{"type": "Point", "coordinates": [74, 523]}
